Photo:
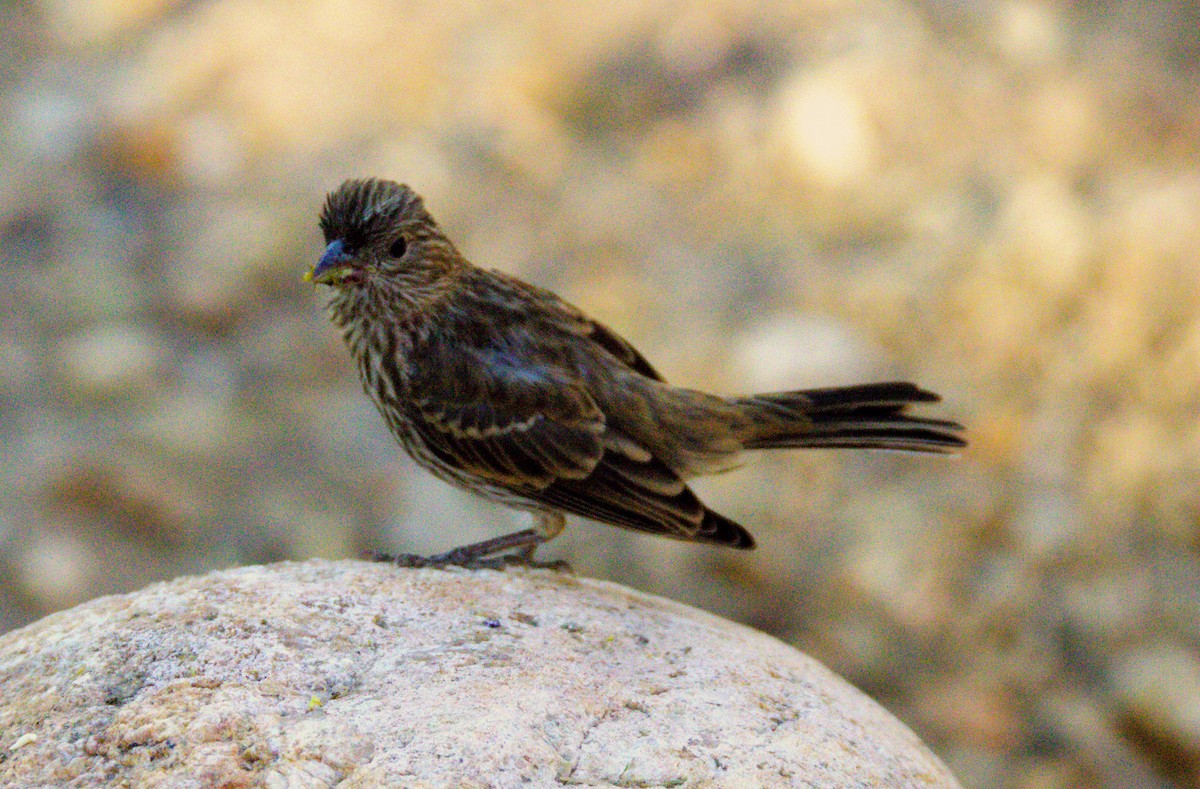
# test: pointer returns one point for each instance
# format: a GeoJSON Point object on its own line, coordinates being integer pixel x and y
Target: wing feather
{"type": "Point", "coordinates": [619, 347]}
{"type": "Point", "coordinates": [562, 316]}
{"type": "Point", "coordinates": [509, 406]}
{"type": "Point", "coordinates": [526, 449]}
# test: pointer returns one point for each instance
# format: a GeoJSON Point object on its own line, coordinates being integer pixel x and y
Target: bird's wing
{"type": "Point", "coordinates": [538, 433]}
{"type": "Point", "coordinates": [644, 495]}
{"type": "Point", "coordinates": [515, 425]}
{"type": "Point", "coordinates": [619, 347]}
{"type": "Point", "coordinates": [567, 317]}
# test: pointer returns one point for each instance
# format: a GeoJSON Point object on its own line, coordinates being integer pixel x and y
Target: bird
{"type": "Point", "coordinates": [505, 389]}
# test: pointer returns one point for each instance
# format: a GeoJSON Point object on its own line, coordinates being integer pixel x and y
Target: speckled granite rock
{"type": "Point", "coordinates": [360, 675]}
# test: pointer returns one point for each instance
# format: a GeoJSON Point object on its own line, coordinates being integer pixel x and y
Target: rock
{"type": "Point", "coordinates": [95, 21]}
{"type": "Point", "coordinates": [232, 256]}
{"type": "Point", "coordinates": [138, 495]}
{"type": "Point", "coordinates": [825, 128]}
{"type": "Point", "coordinates": [789, 351]}
{"type": "Point", "coordinates": [55, 568]}
{"type": "Point", "coordinates": [110, 360]}
{"type": "Point", "coordinates": [358, 674]}
{"type": "Point", "coordinates": [1157, 688]}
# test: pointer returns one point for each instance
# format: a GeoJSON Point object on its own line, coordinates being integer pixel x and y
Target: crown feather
{"type": "Point", "coordinates": [358, 208]}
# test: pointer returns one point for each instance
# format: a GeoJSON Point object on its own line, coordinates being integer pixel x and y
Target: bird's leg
{"type": "Point", "coordinates": [487, 553]}
{"type": "Point", "coordinates": [547, 525]}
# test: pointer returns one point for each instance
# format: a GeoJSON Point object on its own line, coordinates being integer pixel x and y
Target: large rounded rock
{"type": "Point", "coordinates": [357, 674]}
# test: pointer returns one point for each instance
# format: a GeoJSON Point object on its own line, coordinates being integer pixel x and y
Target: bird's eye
{"type": "Point", "coordinates": [398, 247]}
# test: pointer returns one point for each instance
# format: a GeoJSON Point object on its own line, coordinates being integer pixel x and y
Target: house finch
{"type": "Point", "coordinates": [504, 389]}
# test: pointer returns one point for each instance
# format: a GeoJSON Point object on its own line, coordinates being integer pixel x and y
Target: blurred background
{"type": "Point", "coordinates": [998, 200]}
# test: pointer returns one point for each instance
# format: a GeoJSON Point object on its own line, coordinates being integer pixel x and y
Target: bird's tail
{"type": "Point", "coordinates": [871, 416]}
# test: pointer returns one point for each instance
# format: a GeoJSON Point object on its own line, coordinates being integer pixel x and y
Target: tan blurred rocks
{"type": "Point", "coordinates": [139, 496]}
{"type": "Point", "coordinates": [230, 261]}
{"type": "Point", "coordinates": [92, 21]}
{"type": "Point", "coordinates": [825, 130]}
{"type": "Point", "coordinates": [55, 568]}
{"type": "Point", "coordinates": [109, 360]}
{"type": "Point", "coordinates": [788, 351]}
{"type": "Point", "coordinates": [357, 674]}
{"type": "Point", "coordinates": [1158, 689]}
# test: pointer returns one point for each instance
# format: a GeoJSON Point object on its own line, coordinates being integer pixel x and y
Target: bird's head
{"type": "Point", "coordinates": [378, 233]}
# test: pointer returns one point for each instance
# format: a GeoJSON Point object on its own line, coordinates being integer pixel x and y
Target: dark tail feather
{"type": "Point", "coordinates": [719, 530]}
{"type": "Point", "coordinates": [871, 416]}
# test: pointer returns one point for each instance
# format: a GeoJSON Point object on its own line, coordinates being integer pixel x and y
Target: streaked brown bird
{"type": "Point", "coordinates": [504, 389]}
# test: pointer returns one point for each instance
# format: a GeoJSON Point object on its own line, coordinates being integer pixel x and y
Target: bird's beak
{"type": "Point", "coordinates": [331, 268]}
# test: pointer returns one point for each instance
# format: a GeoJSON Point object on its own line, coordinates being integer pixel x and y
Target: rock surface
{"type": "Point", "coordinates": [361, 675]}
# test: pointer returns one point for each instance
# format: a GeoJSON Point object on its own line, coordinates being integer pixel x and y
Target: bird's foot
{"type": "Point", "coordinates": [438, 561]}
{"type": "Point", "coordinates": [452, 559]}
{"type": "Point", "coordinates": [524, 558]}
{"type": "Point", "coordinates": [495, 554]}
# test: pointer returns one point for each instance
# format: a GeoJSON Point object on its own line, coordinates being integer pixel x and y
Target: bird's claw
{"type": "Point", "coordinates": [469, 561]}
{"type": "Point", "coordinates": [557, 565]}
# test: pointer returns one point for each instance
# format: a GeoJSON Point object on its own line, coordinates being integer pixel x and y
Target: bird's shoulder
{"type": "Point", "coordinates": [493, 306]}
{"type": "Point", "coordinates": [477, 354]}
